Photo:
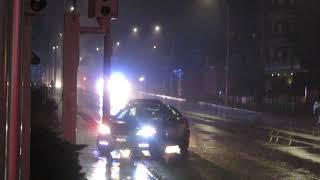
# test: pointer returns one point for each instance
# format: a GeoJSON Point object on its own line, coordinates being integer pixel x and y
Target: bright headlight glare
{"type": "Point", "coordinates": [147, 131]}
{"type": "Point", "coordinates": [104, 129]}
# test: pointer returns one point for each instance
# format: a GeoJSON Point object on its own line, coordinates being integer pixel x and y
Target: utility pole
{"type": "Point", "coordinates": [103, 11]}
{"type": "Point", "coordinates": [227, 53]}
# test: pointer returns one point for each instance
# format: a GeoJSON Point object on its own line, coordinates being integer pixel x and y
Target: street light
{"type": "Point", "coordinates": [54, 48]}
{"type": "Point", "coordinates": [135, 29]}
{"type": "Point", "coordinates": [72, 8]}
{"type": "Point", "coordinates": [118, 43]}
{"type": "Point", "coordinates": [141, 78]}
{"type": "Point", "coordinates": [157, 28]}
{"type": "Point", "coordinates": [97, 49]}
{"type": "Point", "coordinates": [154, 47]}
{"type": "Point", "coordinates": [60, 34]}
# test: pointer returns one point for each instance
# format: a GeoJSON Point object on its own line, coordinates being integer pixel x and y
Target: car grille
{"type": "Point", "coordinates": [120, 129]}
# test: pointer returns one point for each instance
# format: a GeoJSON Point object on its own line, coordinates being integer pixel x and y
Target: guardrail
{"type": "Point", "coordinates": [206, 108]}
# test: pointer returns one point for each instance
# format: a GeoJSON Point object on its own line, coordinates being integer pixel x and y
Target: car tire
{"type": "Point", "coordinates": [184, 146]}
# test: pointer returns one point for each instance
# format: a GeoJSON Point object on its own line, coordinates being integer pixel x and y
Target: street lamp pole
{"type": "Point", "coordinates": [227, 53]}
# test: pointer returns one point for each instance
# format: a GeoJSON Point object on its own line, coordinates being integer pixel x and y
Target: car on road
{"type": "Point", "coordinates": [145, 125]}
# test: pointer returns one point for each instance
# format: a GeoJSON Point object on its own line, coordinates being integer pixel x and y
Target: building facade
{"type": "Point", "coordinates": [281, 34]}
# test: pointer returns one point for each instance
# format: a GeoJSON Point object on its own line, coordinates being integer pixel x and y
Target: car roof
{"type": "Point", "coordinates": [145, 101]}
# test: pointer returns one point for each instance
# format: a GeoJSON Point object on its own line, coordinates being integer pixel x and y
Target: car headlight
{"type": "Point", "coordinates": [147, 131]}
{"type": "Point", "coordinates": [104, 129]}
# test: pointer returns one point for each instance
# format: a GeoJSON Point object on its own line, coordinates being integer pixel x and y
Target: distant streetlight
{"type": "Point", "coordinates": [54, 48]}
{"type": "Point", "coordinates": [154, 47]}
{"type": "Point", "coordinates": [135, 29]}
{"type": "Point", "coordinates": [141, 78]}
{"type": "Point", "coordinates": [60, 34]}
{"type": "Point", "coordinates": [80, 58]}
{"type": "Point", "coordinates": [118, 43]}
{"type": "Point", "coordinates": [57, 47]}
{"type": "Point", "coordinates": [157, 28]}
{"type": "Point", "coordinates": [97, 49]}
{"type": "Point", "coordinates": [72, 8]}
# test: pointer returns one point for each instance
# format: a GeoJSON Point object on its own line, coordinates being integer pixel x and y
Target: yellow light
{"type": "Point", "coordinates": [104, 129]}
{"type": "Point", "coordinates": [58, 84]}
{"type": "Point", "coordinates": [146, 153]}
{"type": "Point", "coordinates": [125, 153]}
{"type": "Point", "coordinates": [172, 149]}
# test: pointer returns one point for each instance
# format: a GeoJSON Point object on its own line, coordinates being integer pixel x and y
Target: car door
{"type": "Point", "coordinates": [174, 125]}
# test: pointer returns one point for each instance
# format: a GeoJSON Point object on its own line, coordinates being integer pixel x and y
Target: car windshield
{"type": "Point", "coordinates": [141, 112]}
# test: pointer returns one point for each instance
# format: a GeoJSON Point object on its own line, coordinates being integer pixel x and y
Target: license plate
{"type": "Point", "coordinates": [121, 139]}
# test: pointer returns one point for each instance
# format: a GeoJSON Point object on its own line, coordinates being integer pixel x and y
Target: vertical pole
{"type": "Point", "coordinates": [70, 68]}
{"type": "Point", "coordinates": [55, 67]}
{"type": "Point", "coordinates": [227, 55]}
{"type": "Point", "coordinates": [3, 87]}
{"type": "Point", "coordinates": [26, 98]}
{"type": "Point", "coordinates": [15, 87]}
{"type": "Point", "coordinates": [106, 73]}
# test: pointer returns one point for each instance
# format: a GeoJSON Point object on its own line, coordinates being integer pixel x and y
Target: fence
{"type": "Point", "coordinates": [206, 108]}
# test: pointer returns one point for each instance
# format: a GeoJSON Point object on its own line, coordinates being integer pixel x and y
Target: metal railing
{"type": "Point", "coordinates": [206, 108]}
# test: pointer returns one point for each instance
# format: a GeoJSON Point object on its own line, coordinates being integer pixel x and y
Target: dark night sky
{"type": "Point", "coordinates": [193, 24]}
{"type": "Point", "coordinates": [187, 26]}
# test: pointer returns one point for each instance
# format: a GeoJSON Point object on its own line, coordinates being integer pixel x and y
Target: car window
{"type": "Point", "coordinates": [142, 112]}
{"type": "Point", "coordinates": [122, 114]}
{"type": "Point", "coordinates": [174, 111]}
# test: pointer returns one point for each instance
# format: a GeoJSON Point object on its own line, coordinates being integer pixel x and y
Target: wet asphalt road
{"type": "Point", "coordinates": [218, 150]}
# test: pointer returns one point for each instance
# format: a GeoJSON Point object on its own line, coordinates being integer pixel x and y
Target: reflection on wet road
{"type": "Point", "coordinates": [218, 150]}
{"type": "Point", "coordinates": [99, 167]}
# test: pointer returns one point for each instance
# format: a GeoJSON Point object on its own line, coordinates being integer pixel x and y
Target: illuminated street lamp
{"type": "Point", "coordinates": [72, 8]}
{"type": "Point", "coordinates": [118, 43]}
{"type": "Point", "coordinates": [54, 48]}
{"type": "Point", "coordinates": [135, 29]}
{"type": "Point", "coordinates": [97, 49]}
{"type": "Point", "coordinates": [157, 28]}
{"type": "Point", "coordinates": [141, 78]}
{"type": "Point", "coordinates": [154, 47]}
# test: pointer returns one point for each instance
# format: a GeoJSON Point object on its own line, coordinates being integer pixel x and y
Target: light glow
{"type": "Point", "coordinates": [135, 29]}
{"type": "Point", "coordinates": [172, 150]}
{"type": "Point", "coordinates": [58, 84]}
{"type": "Point", "coordinates": [143, 145]}
{"type": "Point", "coordinates": [104, 129]}
{"type": "Point", "coordinates": [125, 153]}
{"type": "Point", "coordinates": [146, 153]}
{"type": "Point", "coordinates": [147, 131]}
{"type": "Point", "coordinates": [142, 173]}
{"type": "Point", "coordinates": [157, 28]}
{"type": "Point", "coordinates": [119, 91]}
{"type": "Point", "coordinates": [103, 143]}
{"type": "Point", "coordinates": [141, 78]}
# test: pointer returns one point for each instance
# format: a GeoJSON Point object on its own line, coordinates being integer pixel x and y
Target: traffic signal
{"type": "Point", "coordinates": [35, 6]}
{"type": "Point", "coordinates": [103, 8]}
